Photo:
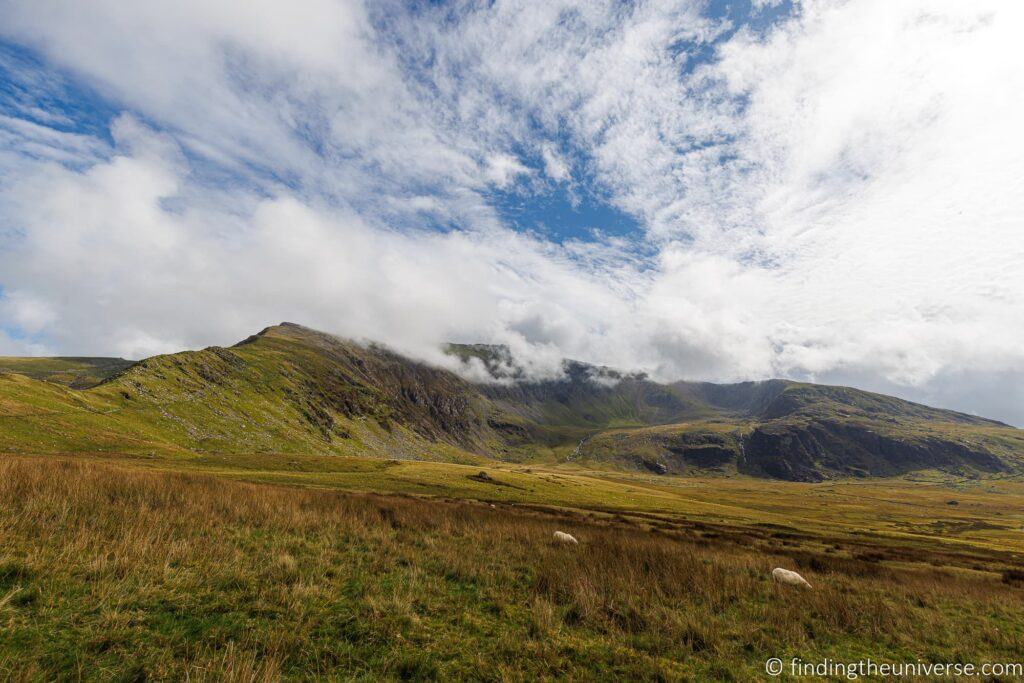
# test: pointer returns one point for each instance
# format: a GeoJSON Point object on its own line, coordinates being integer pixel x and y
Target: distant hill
{"type": "Point", "coordinates": [290, 389]}
{"type": "Point", "coordinates": [78, 373]}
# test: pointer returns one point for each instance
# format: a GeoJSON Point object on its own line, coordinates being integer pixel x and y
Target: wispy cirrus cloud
{"type": "Point", "coordinates": [829, 190]}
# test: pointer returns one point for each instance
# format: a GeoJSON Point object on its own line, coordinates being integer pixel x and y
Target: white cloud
{"type": "Point", "coordinates": [503, 169]}
{"type": "Point", "coordinates": [555, 166]}
{"type": "Point", "coordinates": [25, 138]}
{"type": "Point", "coordinates": [27, 313]}
{"type": "Point", "coordinates": [837, 197]}
{"type": "Point", "coordinates": [150, 278]}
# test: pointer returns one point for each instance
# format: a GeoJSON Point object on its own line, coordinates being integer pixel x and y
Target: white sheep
{"type": "Point", "coordinates": [789, 578]}
{"type": "Point", "coordinates": [563, 537]}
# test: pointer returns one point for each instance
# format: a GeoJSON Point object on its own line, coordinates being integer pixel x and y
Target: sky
{"type": "Point", "coordinates": [821, 190]}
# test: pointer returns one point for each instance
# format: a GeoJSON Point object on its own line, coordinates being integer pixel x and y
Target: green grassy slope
{"type": "Point", "coordinates": [79, 373]}
{"type": "Point", "coordinates": [289, 390]}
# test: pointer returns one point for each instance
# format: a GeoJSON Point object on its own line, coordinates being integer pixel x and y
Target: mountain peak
{"type": "Point", "coordinates": [283, 328]}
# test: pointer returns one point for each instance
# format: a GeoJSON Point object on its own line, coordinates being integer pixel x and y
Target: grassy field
{"type": "Point", "coordinates": [929, 509]}
{"type": "Point", "coordinates": [125, 571]}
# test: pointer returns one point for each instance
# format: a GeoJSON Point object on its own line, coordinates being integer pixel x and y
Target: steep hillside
{"type": "Point", "coordinates": [291, 390]}
{"type": "Point", "coordinates": [572, 408]}
{"type": "Point", "coordinates": [285, 390]}
{"type": "Point", "coordinates": [586, 398]}
{"type": "Point", "coordinates": [807, 432]}
{"type": "Point", "coordinates": [773, 428]}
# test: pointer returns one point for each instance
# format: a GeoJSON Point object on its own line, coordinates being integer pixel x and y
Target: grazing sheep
{"type": "Point", "coordinates": [789, 578]}
{"type": "Point", "coordinates": [563, 537]}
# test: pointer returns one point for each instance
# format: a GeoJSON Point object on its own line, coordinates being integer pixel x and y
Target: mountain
{"type": "Point", "coordinates": [807, 432]}
{"type": "Point", "coordinates": [290, 389]}
{"type": "Point", "coordinates": [285, 390]}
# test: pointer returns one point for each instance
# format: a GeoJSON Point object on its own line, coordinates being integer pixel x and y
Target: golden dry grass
{"type": "Point", "coordinates": [108, 573]}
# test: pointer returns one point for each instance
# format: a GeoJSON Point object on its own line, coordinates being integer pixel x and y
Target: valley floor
{"type": "Point", "coordinates": [927, 509]}
{"type": "Point", "coordinates": [123, 569]}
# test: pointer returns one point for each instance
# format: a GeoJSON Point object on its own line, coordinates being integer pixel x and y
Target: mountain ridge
{"type": "Point", "coordinates": [291, 389]}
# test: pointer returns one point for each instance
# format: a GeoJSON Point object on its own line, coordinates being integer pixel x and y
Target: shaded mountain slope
{"type": "Point", "coordinates": [807, 432]}
{"type": "Point", "coordinates": [289, 389]}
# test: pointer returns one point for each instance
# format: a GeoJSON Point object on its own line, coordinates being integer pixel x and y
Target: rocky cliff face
{"type": "Point", "coordinates": [338, 377]}
{"type": "Point", "coordinates": [816, 450]}
{"type": "Point", "coordinates": [774, 428]}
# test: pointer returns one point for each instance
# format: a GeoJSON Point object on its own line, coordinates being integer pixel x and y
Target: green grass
{"type": "Point", "coordinates": [109, 573]}
{"type": "Point", "coordinates": [79, 373]}
{"type": "Point", "coordinates": [909, 512]}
